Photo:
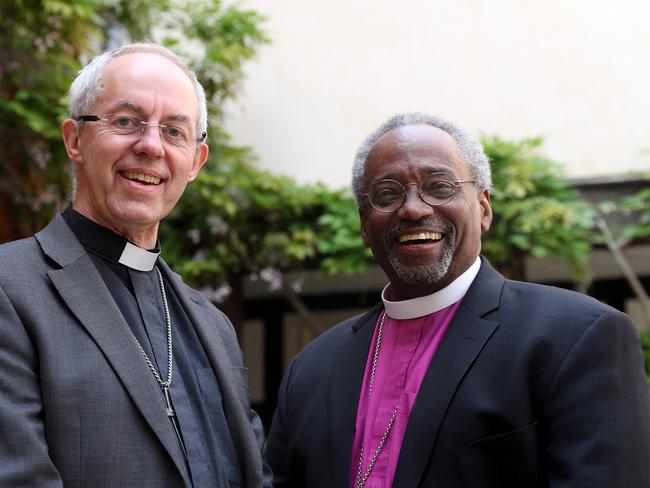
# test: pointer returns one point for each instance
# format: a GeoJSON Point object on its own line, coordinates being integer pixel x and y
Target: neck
{"type": "Point", "coordinates": [144, 238]}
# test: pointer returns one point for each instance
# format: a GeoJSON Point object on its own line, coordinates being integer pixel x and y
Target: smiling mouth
{"type": "Point", "coordinates": [141, 177]}
{"type": "Point", "coordinates": [419, 238]}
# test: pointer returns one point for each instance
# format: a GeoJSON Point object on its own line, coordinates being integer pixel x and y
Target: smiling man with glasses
{"type": "Point", "coordinates": [113, 372]}
{"type": "Point", "coordinates": [459, 378]}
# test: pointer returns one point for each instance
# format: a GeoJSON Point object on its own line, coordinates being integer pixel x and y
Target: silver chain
{"type": "Point", "coordinates": [167, 383]}
{"type": "Point", "coordinates": [376, 355]}
{"type": "Point", "coordinates": [361, 476]}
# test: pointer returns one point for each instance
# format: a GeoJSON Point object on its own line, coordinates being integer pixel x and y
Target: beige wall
{"type": "Point", "coordinates": [573, 71]}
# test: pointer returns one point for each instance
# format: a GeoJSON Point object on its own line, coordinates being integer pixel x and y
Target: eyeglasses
{"type": "Point", "coordinates": [435, 189]}
{"type": "Point", "coordinates": [125, 125]}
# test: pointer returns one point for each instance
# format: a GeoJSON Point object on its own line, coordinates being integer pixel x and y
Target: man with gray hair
{"type": "Point", "coordinates": [459, 377]}
{"type": "Point", "coordinates": [113, 372]}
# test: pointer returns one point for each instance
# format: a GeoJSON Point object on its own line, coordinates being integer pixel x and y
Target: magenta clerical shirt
{"type": "Point", "coordinates": [412, 332]}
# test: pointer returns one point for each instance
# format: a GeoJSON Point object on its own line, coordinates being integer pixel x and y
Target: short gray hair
{"type": "Point", "coordinates": [470, 148]}
{"type": "Point", "coordinates": [87, 87]}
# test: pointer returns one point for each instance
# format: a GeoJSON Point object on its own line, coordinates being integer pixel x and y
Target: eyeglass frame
{"type": "Point", "coordinates": [143, 124]}
{"type": "Point", "coordinates": [404, 193]}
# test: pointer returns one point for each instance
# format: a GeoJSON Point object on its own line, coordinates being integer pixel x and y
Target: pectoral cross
{"type": "Point", "coordinates": [170, 410]}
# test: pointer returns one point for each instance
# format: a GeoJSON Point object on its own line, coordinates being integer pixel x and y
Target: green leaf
{"type": "Point", "coordinates": [536, 211]}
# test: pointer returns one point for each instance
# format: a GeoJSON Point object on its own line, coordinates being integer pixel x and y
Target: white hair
{"type": "Point", "coordinates": [470, 148]}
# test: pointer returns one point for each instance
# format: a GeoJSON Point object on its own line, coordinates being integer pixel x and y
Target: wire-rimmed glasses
{"type": "Point", "coordinates": [176, 133]}
{"type": "Point", "coordinates": [434, 189]}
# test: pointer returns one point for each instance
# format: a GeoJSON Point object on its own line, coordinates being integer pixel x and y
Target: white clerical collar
{"type": "Point", "coordinates": [428, 304]}
{"type": "Point", "coordinates": [137, 258]}
{"type": "Point", "coordinates": [109, 245]}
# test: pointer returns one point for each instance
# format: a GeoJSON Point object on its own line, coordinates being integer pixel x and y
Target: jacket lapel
{"type": "Point", "coordinates": [83, 291]}
{"type": "Point", "coordinates": [344, 386]}
{"type": "Point", "coordinates": [204, 324]}
{"type": "Point", "coordinates": [467, 335]}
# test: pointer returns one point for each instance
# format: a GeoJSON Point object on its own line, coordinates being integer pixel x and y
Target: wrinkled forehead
{"type": "Point", "coordinates": [148, 81]}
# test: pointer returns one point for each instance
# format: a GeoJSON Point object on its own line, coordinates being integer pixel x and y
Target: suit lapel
{"type": "Point", "coordinates": [204, 324]}
{"type": "Point", "coordinates": [344, 386]}
{"type": "Point", "coordinates": [82, 289]}
{"type": "Point", "coordinates": [468, 333]}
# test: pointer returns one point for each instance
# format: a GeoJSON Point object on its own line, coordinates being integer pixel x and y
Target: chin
{"type": "Point", "coordinates": [429, 274]}
{"type": "Point", "coordinates": [420, 276]}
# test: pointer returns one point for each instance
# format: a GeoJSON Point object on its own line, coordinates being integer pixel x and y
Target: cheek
{"type": "Point", "coordinates": [182, 166]}
{"type": "Point", "coordinates": [103, 156]}
{"type": "Point", "coordinates": [472, 228]}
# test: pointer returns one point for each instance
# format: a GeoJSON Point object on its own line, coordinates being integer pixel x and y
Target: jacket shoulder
{"type": "Point", "coordinates": [553, 301]}
{"type": "Point", "coordinates": [20, 262]}
{"type": "Point", "coordinates": [16, 249]}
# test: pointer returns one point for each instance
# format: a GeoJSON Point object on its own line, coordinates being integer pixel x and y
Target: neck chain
{"type": "Point", "coordinates": [164, 385]}
{"type": "Point", "coordinates": [362, 476]}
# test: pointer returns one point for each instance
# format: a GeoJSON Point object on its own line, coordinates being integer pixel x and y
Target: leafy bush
{"type": "Point", "coordinates": [536, 211]}
{"type": "Point", "coordinates": [236, 220]}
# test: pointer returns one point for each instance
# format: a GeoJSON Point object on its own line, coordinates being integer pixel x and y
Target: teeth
{"type": "Point", "coordinates": [142, 177]}
{"type": "Point", "coordinates": [420, 236]}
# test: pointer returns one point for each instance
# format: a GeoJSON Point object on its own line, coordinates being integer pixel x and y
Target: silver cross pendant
{"type": "Point", "coordinates": [170, 410]}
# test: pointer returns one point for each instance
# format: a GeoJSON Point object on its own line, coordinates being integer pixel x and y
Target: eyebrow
{"type": "Point", "coordinates": [423, 171]}
{"type": "Point", "coordinates": [180, 117]}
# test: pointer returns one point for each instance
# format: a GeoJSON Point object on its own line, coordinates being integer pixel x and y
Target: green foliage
{"type": "Point", "coordinates": [340, 245]}
{"type": "Point", "coordinates": [39, 48]}
{"type": "Point", "coordinates": [238, 220]}
{"type": "Point", "coordinates": [636, 210]}
{"type": "Point", "coordinates": [639, 202]}
{"type": "Point", "coordinates": [536, 212]}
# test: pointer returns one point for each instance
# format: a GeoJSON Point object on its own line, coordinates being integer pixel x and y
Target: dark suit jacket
{"type": "Point", "coordinates": [532, 386]}
{"type": "Point", "coordinates": [78, 404]}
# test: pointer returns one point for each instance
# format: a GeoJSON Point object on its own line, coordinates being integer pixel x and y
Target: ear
{"type": "Point", "coordinates": [199, 160]}
{"type": "Point", "coordinates": [486, 209]}
{"type": "Point", "coordinates": [363, 215]}
{"type": "Point", "coordinates": [70, 134]}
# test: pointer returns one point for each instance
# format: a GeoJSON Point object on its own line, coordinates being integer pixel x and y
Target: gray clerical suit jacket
{"type": "Point", "coordinates": [78, 404]}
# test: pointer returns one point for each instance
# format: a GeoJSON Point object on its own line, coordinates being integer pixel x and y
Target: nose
{"type": "Point", "coordinates": [150, 141]}
{"type": "Point", "coordinates": [414, 208]}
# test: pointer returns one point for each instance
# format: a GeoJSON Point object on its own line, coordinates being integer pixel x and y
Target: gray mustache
{"type": "Point", "coordinates": [426, 222]}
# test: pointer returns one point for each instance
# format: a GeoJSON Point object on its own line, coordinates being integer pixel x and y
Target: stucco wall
{"type": "Point", "coordinates": [573, 71]}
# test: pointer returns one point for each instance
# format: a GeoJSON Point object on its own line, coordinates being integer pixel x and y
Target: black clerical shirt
{"type": "Point", "coordinates": [194, 391]}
